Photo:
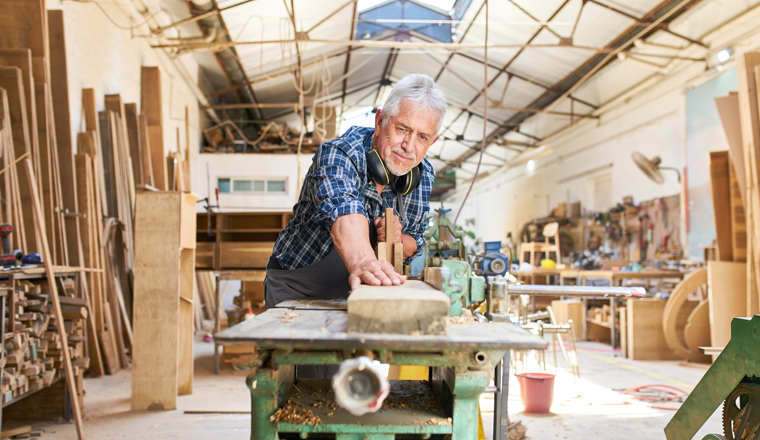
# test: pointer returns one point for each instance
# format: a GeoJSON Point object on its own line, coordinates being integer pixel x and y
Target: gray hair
{"type": "Point", "coordinates": [416, 88]}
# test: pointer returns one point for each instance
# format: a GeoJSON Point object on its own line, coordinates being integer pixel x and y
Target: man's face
{"type": "Point", "coordinates": [403, 142]}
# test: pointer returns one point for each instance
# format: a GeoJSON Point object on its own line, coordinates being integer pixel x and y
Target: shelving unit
{"type": "Point", "coordinates": [237, 240]}
{"type": "Point", "coordinates": [32, 385]}
{"type": "Point", "coordinates": [162, 359]}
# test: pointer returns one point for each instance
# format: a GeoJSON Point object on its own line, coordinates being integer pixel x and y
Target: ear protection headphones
{"type": "Point", "coordinates": [380, 174]}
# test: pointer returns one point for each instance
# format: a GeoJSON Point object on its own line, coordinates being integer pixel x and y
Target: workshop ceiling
{"type": "Point", "coordinates": [550, 62]}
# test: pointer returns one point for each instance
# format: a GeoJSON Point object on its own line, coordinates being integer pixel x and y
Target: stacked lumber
{"type": "Point", "coordinates": [34, 350]}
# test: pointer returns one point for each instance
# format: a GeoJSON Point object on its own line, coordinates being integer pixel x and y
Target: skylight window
{"type": "Point", "coordinates": [446, 5]}
{"type": "Point", "coordinates": [404, 19]}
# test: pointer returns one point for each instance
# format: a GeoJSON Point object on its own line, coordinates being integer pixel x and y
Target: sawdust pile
{"type": "Point", "coordinates": [287, 317]}
{"type": "Point", "coordinates": [467, 318]}
{"type": "Point", "coordinates": [291, 413]}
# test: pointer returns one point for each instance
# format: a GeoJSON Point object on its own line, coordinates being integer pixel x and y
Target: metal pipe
{"type": "Point", "coordinates": [589, 291]}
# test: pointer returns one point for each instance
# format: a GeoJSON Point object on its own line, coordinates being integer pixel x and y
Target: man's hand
{"type": "Point", "coordinates": [380, 226]}
{"type": "Point", "coordinates": [350, 234]}
{"type": "Point", "coordinates": [375, 273]}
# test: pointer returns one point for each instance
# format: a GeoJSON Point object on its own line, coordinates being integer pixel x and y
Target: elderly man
{"type": "Point", "coordinates": [327, 247]}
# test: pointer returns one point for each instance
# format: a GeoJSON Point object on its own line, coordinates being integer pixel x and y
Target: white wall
{"type": "Point", "coordinates": [249, 166]}
{"type": "Point", "coordinates": [507, 199]}
{"type": "Point", "coordinates": [108, 59]}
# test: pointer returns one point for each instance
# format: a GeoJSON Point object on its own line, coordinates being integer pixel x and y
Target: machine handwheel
{"type": "Point", "coordinates": [741, 413]}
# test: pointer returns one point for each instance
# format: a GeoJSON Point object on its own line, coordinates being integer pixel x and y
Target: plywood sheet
{"type": "Point", "coordinates": [721, 195]}
{"type": "Point", "coordinates": [728, 109]}
{"type": "Point", "coordinates": [646, 339]}
{"type": "Point", "coordinates": [11, 80]}
{"type": "Point", "coordinates": [567, 309]}
{"type": "Point", "coordinates": [727, 293]}
{"type": "Point", "coordinates": [156, 301]}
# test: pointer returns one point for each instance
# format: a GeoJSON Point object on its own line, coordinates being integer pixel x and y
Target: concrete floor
{"type": "Point", "coordinates": [588, 408]}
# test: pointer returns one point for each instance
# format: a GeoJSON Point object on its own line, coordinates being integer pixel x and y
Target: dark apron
{"type": "Point", "coordinates": [325, 279]}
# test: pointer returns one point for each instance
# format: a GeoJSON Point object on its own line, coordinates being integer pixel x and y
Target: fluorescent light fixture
{"type": "Point", "coordinates": [529, 154]}
{"type": "Point", "coordinates": [723, 55]}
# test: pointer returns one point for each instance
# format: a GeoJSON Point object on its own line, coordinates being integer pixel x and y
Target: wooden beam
{"type": "Point", "coordinates": [52, 285]}
{"type": "Point", "coordinates": [152, 109]}
{"type": "Point", "coordinates": [59, 89]}
{"type": "Point", "coordinates": [11, 80]}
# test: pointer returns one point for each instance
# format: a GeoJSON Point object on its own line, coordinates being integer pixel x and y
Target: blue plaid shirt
{"type": "Point", "coordinates": [337, 183]}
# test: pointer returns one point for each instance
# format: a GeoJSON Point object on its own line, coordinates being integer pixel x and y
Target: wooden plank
{"type": "Point", "coordinates": [156, 301]}
{"type": "Point", "coordinates": [728, 109]}
{"type": "Point", "coordinates": [59, 89]}
{"type": "Point", "coordinates": [22, 58]}
{"type": "Point", "coordinates": [11, 80]}
{"type": "Point", "coordinates": [146, 163]}
{"type": "Point", "coordinates": [249, 255]}
{"type": "Point", "coordinates": [152, 109]}
{"type": "Point", "coordinates": [748, 111]}
{"type": "Point", "coordinates": [52, 286]}
{"type": "Point", "coordinates": [720, 185]}
{"type": "Point", "coordinates": [84, 179]}
{"type": "Point", "coordinates": [47, 191]}
{"type": "Point", "coordinates": [727, 293]}
{"type": "Point", "coordinates": [186, 313]}
{"type": "Point", "coordinates": [24, 25]}
{"type": "Point", "coordinates": [567, 309]}
{"type": "Point", "coordinates": [11, 190]}
{"type": "Point", "coordinates": [646, 338]}
{"type": "Point", "coordinates": [89, 108]}
{"type": "Point", "coordinates": [135, 149]}
{"type": "Point", "coordinates": [738, 219]}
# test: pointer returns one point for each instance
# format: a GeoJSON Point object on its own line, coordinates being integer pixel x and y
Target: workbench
{"type": "Point", "coordinates": [462, 362]}
{"type": "Point", "coordinates": [616, 279]}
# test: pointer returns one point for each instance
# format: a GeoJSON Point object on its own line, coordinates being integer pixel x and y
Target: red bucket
{"type": "Point", "coordinates": [536, 391]}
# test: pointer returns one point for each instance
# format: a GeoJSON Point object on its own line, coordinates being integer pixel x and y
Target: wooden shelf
{"type": "Point", "coordinates": [599, 323]}
{"type": "Point", "coordinates": [241, 240]}
{"type": "Point", "coordinates": [25, 395]}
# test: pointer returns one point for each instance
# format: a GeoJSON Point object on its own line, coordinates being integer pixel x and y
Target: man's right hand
{"type": "Point", "coordinates": [375, 273]}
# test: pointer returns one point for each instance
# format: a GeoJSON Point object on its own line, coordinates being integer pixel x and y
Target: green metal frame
{"type": "Point", "coordinates": [438, 240]}
{"type": "Point", "coordinates": [740, 359]}
{"type": "Point", "coordinates": [457, 378]}
{"type": "Point", "coordinates": [461, 286]}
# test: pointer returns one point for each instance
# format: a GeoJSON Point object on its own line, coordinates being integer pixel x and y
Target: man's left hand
{"type": "Point", "coordinates": [380, 225]}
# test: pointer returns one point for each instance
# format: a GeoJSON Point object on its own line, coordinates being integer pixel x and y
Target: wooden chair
{"type": "Point", "coordinates": [551, 231]}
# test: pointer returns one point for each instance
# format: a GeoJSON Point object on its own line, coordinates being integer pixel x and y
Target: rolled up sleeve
{"type": "Point", "coordinates": [337, 188]}
{"type": "Point", "coordinates": [418, 209]}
